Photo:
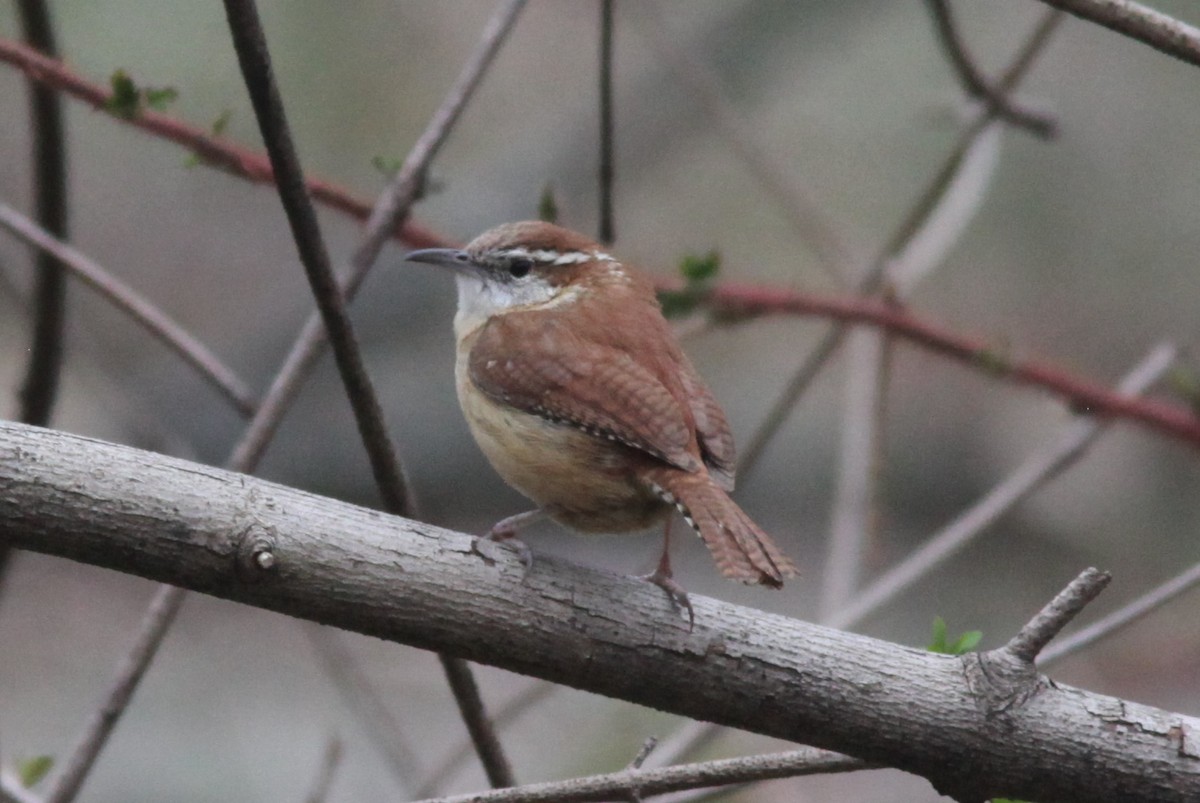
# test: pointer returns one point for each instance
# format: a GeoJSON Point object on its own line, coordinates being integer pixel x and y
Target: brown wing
{"type": "Point", "coordinates": [712, 428]}
{"type": "Point", "coordinates": [546, 370]}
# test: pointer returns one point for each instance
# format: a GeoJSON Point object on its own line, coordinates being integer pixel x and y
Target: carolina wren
{"type": "Point", "coordinates": [578, 393]}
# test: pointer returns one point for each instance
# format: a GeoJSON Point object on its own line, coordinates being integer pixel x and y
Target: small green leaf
{"type": "Point", "coordinates": [32, 770]}
{"type": "Point", "coordinates": [678, 303]}
{"type": "Point", "coordinates": [701, 268]}
{"type": "Point", "coordinates": [940, 643]}
{"type": "Point", "coordinates": [126, 100]}
{"type": "Point", "coordinates": [1185, 381]}
{"type": "Point", "coordinates": [547, 206]}
{"type": "Point", "coordinates": [160, 98]}
{"type": "Point", "coordinates": [387, 165]}
{"type": "Point", "coordinates": [221, 123]}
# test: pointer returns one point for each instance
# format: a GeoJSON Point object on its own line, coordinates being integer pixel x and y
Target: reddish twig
{"type": "Point", "coordinates": [215, 151]}
{"type": "Point", "coordinates": [1083, 395]}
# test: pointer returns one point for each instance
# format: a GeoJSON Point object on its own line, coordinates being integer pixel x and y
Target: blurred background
{"type": "Point", "coordinates": [1082, 253]}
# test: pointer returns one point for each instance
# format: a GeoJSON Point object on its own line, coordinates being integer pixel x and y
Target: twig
{"type": "Point", "coordinates": [11, 790]}
{"type": "Point", "coordinates": [1081, 394]}
{"type": "Point", "coordinates": [1057, 614]}
{"type": "Point", "coordinates": [326, 770]}
{"type": "Point", "coordinates": [1161, 32]}
{"type": "Point", "coordinates": [1031, 475]}
{"type": "Point", "coordinates": [239, 161]}
{"type": "Point", "coordinates": [483, 734]}
{"type": "Point", "coordinates": [392, 207]}
{"type": "Point", "coordinates": [157, 620]}
{"type": "Point", "coordinates": [365, 701]}
{"type": "Point", "coordinates": [643, 753]}
{"type": "Point", "coordinates": [139, 308]}
{"type": "Point", "coordinates": [607, 227]}
{"type": "Point", "coordinates": [804, 213]}
{"type": "Point", "coordinates": [1122, 617]}
{"type": "Point", "coordinates": [973, 80]}
{"type": "Point", "coordinates": [40, 386]}
{"type": "Point", "coordinates": [854, 494]}
{"type": "Point", "coordinates": [807, 761]}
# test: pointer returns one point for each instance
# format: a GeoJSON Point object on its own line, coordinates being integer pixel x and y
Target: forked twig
{"type": "Point", "coordinates": [975, 83]}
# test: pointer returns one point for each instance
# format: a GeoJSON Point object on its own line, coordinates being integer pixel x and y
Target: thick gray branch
{"type": "Point", "coordinates": [277, 548]}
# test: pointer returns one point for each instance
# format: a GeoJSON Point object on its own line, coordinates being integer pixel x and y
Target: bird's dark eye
{"type": "Point", "coordinates": [520, 266]}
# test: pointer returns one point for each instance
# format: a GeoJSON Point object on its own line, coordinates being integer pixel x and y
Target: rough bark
{"type": "Point", "coordinates": [976, 726]}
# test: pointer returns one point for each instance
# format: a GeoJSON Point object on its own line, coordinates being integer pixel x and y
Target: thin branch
{"type": "Point", "coordinates": [66, 782]}
{"type": "Point", "coordinates": [1161, 32]}
{"type": "Point", "coordinates": [390, 210]}
{"type": "Point", "coordinates": [326, 769]}
{"type": "Point", "coordinates": [807, 761]}
{"type": "Point", "coordinates": [1083, 395]}
{"type": "Point", "coordinates": [237, 160]}
{"type": "Point", "coordinates": [854, 494]}
{"type": "Point", "coordinates": [805, 214]}
{"type": "Point", "coordinates": [138, 307]}
{"type": "Point", "coordinates": [1031, 475]}
{"type": "Point", "coordinates": [12, 791]}
{"type": "Point", "coordinates": [365, 701]}
{"type": "Point", "coordinates": [975, 83]}
{"type": "Point", "coordinates": [607, 227]}
{"type": "Point", "coordinates": [1123, 616]}
{"type": "Point", "coordinates": [44, 367]}
{"type": "Point", "coordinates": [1057, 614]}
{"type": "Point", "coordinates": [483, 733]}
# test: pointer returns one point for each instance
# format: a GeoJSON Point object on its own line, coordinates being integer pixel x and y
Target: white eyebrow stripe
{"type": "Point", "coordinates": [556, 258]}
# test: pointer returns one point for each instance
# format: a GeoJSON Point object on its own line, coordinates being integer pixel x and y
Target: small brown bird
{"type": "Point", "coordinates": [578, 393]}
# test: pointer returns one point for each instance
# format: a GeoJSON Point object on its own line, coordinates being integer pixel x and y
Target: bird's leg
{"type": "Point", "coordinates": [664, 579]}
{"type": "Point", "coordinates": [505, 531]}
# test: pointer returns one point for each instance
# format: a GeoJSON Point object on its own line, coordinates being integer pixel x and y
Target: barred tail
{"type": "Point", "coordinates": [741, 550]}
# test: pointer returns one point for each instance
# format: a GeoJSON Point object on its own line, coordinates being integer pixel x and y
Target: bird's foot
{"type": "Point", "coordinates": [675, 592]}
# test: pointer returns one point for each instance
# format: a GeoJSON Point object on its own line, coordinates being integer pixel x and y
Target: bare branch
{"type": "Point", "coordinates": [1125, 615]}
{"type": "Point", "coordinates": [1160, 31]}
{"type": "Point", "coordinates": [1057, 614]}
{"type": "Point", "coordinates": [808, 761]}
{"type": "Point", "coordinates": [1028, 477]}
{"type": "Point", "coordinates": [179, 522]}
{"type": "Point", "coordinates": [607, 227]}
{"type": "Point", "coordinates": [40, 386]}
{"type": "Point", "coordinates": [11, 790]}
{"type": "Point", "coordinates": [138, 307]}
{"type": "Point", "coordinates": [973, 80]}
{"type": "Point", "coordinates": [65, 784]}
{"type": "Point", "coordinates": [483, 734]}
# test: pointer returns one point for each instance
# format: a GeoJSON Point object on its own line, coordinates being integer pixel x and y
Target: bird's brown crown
{"type": "Point", "coordinates": [558, 254]}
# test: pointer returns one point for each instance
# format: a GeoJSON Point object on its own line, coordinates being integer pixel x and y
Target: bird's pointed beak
{"type": "Point", "coordinates": [455, 259]}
